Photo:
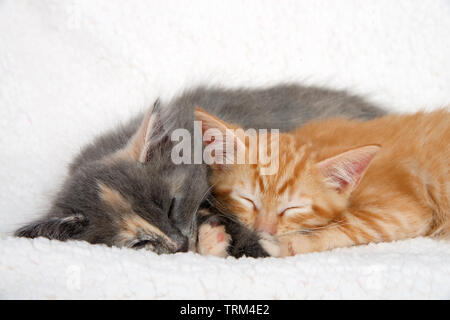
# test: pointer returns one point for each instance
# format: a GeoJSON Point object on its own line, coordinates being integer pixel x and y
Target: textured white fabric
{"type": "Point", "coordinates": [418, 268]}
{"type": "Point", "coordinates": [71, 69]}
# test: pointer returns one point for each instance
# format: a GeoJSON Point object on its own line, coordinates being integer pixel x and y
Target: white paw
{"type": "Point", "coordinates": [271, 246]}
{"type": "Point", "coordinates": [213, 240]}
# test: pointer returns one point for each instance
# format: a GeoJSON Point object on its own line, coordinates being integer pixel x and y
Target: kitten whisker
{"type": "Point", "coordinates": [222, 210]}
{"type": "Point", "coordinates": [194, 225]}
{"type": "Point", "coordinates": [336, 224]}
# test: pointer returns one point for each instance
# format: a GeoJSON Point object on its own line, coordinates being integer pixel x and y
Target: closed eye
{"type": "Point", "coordinates": [248, 202]}
{"type": "Point", "coordinates": [171, 209]}
{"type": "Point", "coordinates": [291, 211]}
{"type": "Point", "coordinates": [141, 244]}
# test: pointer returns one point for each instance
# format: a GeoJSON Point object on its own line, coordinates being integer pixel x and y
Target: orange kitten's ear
{"type": "Point", "coordinates": [139, 145]}
{"type": "Point", "coordinates": [210, 121]}
{"type": "Point", "coordinates": [344, 171]}
{"type": "Point", "coordinates": [219, 138]}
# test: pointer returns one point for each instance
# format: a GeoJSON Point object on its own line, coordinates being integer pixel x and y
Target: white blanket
{"type": "Point", "coordinates": [71, 69]}
{"type": "Point", "coordinates": [40, 268]}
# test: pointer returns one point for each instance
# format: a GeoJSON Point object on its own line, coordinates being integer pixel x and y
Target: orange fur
{"type": "Point", "coordinates": [403, 194]}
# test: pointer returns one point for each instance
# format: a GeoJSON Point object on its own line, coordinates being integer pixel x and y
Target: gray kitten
{"type": "Point", "coordinates": [124, 190]}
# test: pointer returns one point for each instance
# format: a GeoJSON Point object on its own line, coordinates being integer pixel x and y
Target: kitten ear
{"type": "Point", "coordinates": [219, 136]}
{"type": "Point", "coordinates": [344, 171]}
{"type": "Point", "coordinates": [208, 122]}
{"type": "Point", "coordinates": [148, 133]}
{"type": "Point", "coordinates": [59, 228]}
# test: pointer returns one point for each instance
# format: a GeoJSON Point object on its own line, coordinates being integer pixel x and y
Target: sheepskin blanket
{"type": "Point", "coordinates": [41, 268]}
{"type": "Point", "coordinates": [72, 69]}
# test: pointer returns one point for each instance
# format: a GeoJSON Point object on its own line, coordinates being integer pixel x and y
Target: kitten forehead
{"type": "Point", "coordinates": [252, 180]}
{"type": "Point", "coordinates": [112, 197]}
{"type": "Point", "coordinates": [178, 181]}
{"type": "Point", "coordinates": [293, 162]}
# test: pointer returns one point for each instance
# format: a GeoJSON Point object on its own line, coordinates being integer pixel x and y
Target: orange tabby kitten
{"type": "Point", "coordinates": [341, 183]}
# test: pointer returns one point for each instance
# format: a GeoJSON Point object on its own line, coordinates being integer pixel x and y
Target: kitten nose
{"type": "Point", "coordinates": [183, 244]}
{"type": "Point", "coordinates": [264, 226]}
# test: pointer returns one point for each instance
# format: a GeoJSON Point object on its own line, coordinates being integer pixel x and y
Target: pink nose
{"type": "Point", "coordinates": [265, 226]}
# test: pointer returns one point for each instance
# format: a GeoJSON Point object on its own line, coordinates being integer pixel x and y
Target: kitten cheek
{"type": "Point", "coordinates": [243, 214]}
{"type": "Point", "coordinates": [245, 206]}
{"type": "Point", "coordinates": [248, 219]}
{"type": "Point", "coordinates": [285, 227]}
{"type": "Point", "coordinates": [290, 224]}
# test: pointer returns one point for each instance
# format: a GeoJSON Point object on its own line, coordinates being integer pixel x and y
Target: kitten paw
{"type": "Point", "coordinates": [213, 240]}
{"type": "Point", "coordinates": [270, 245]}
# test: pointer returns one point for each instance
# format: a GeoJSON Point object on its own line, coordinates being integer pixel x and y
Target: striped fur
{"type": "Point", "coordinates": [403, 194]}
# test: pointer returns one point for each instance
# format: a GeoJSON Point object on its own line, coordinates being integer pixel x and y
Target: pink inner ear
{"type": "Point", "coordinates": [211, 138]}
{"type": "Point", "coordinates": [341, 183]}
{"type": "Point", "coordinates": [219, 136]}
{"type": "Point", "coordinates": [213, 132]}
{"type": "Point", "coordinates": [345, 171]}
{"type": "Point", "coordinates": [138, 147]}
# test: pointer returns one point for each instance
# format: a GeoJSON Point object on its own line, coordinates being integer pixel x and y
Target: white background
{"type": "Point", "coordinates": [71, 69]}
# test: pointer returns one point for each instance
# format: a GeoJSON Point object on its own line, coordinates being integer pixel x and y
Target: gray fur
{"type": "Point", "coordinates": [78, 213]}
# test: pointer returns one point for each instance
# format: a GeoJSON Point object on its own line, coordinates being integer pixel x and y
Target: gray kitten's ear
{"type": "Point", "coordinates": [148, 134]}
{"type": "Point", "coordinates": [59, 228]}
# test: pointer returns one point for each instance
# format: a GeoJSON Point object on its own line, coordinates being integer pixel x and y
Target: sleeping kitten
{"type": "Point", "coordinates": [340, 183]}
{"type": "Point", "coordinates": [124, 190]}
